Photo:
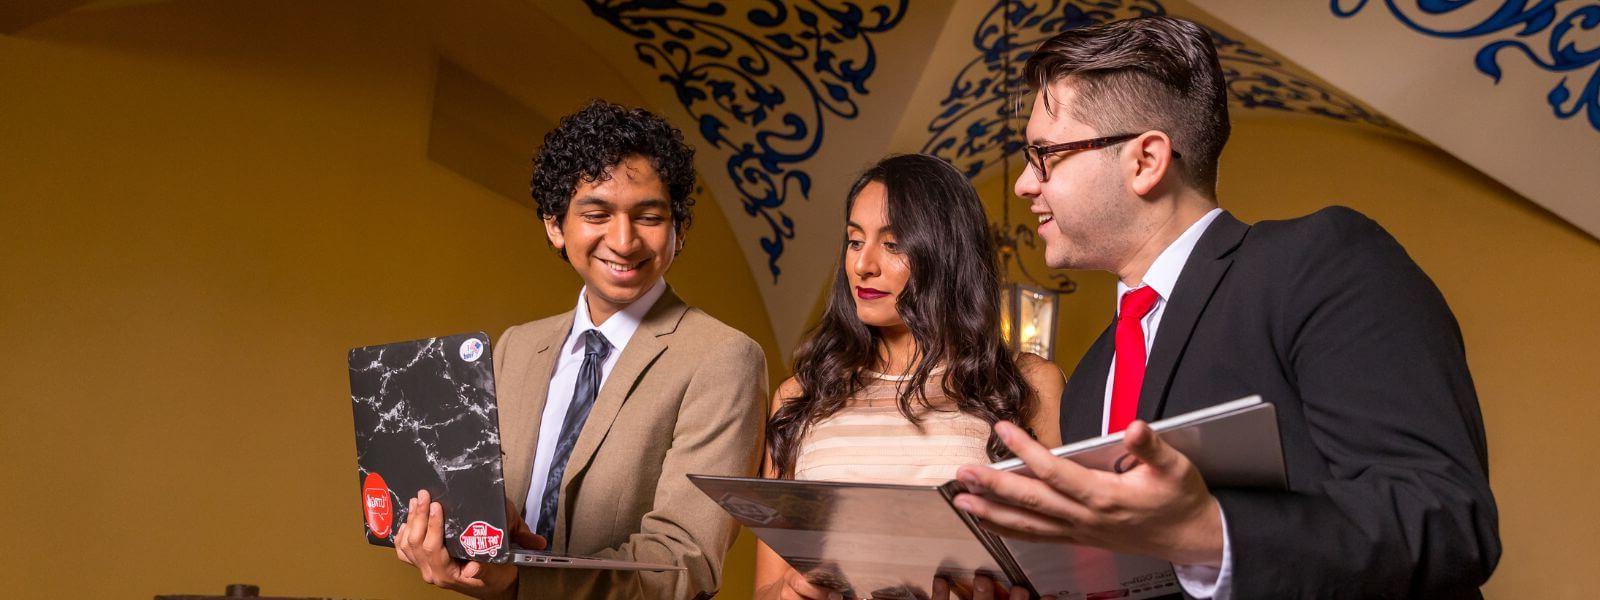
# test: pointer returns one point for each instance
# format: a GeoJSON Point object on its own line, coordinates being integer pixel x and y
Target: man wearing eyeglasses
{"type": "Point", "coordinates": [1325, 316]}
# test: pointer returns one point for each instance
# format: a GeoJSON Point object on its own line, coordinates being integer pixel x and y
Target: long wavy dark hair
{"type": "Point", "coordinates": [951, 304]}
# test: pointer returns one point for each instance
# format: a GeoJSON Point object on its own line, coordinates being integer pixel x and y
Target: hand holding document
{"type": "Point", "coordinates": [891, 541]}
{"type": "Point", "coordinates": [1152, 501]}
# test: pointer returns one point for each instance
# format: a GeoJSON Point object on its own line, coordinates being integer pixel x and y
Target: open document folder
{"type": "Point", "coordinates": [890, 541]}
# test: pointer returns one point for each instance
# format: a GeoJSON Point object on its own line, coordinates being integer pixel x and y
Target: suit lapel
{"type": "Point", "coordinates": [1209, 261]}
{"type": "Point", "coordinates": [1084, 401]}
{"type": "Point", "coordinates": [520, 432]}
{"type": "Point", "coordinates": [647, 344]}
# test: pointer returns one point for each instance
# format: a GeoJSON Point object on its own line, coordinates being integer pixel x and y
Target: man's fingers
{"type": "Point", "coordinates": [1023, 492]}
{"type": "Point", "coordinates": [399, 537]}
{"type": "Point", "coordinates": [524, 537]}
{"type": "Point", "coordinates": [1143, 443]}
{"type": "Point", "coordinates": [399, 548]}
{"type": "Point", "coordinates": [1008, 592]}
{"type": "Point", "coordinates": [471, 575]}
{"type": "Point", "coordinates": [402, 537]}
{"type": "Point", "coordinates": [941, 589]}
{"type": "Point", "coordinates": [1012, 522]}
{"type": "Point", "coordinates": [417, 527]}
{"type": "Point", "coordinates": [801, 587]}
{"type": "Point", "coordinates": [982, 588]}
{"type": "Point", "coordinates": [1071, 478]}
{"type": "Point", "coordinates": [529, 540]}
{"type": "Point", "coordinates": [435, 538]}
{"type": "Point", "coordinates": [806, 589]}
{"type": "Point", "coordinates": [1019, 441]}
{"type": "Point", "coordinates": [1015, 592]}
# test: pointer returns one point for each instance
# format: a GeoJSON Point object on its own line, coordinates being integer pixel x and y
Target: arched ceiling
{"type": "Point", "coordinates": [790, 99]}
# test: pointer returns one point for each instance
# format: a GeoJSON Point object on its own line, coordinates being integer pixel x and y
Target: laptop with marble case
{"type": "Point", "coordinates": [426, 419]}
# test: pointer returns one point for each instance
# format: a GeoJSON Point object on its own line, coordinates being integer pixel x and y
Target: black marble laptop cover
{"type": "Point", "coordinates": [425, 418]}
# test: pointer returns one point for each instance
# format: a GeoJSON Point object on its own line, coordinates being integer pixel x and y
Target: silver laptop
{"type": "Point", "coordinates": [426, 418]}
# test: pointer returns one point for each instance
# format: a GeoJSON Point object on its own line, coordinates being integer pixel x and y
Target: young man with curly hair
{"type": "Point", "coordinates": [605, 408]}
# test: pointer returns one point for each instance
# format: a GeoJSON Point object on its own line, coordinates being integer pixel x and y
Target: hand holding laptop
{"type": "Point", "coordinates": [1159, 507]}
{"type": "Point", "coordinates": [419, 542]}
{"type": "Point", "coordinates": [447, 385]}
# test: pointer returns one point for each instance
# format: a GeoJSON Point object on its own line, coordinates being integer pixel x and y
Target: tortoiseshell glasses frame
{"type": "Point", "coordinates": [1036, 154]}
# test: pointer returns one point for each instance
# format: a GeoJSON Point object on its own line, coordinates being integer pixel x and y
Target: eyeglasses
{"type": "Point", "coordinates": [1036, 154]}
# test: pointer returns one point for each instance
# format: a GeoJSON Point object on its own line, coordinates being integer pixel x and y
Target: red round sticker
{"type": "Point", "coordinates": [375, 501]}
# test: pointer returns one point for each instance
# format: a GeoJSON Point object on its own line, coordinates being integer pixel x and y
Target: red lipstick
{"type": "Point", "coordinates": [866, 293]}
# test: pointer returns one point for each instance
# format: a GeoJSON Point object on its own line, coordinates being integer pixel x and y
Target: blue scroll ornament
{"type": "Point", "coordinates": [977, 125]}
{"type": "Point", "coordinates": [761, 82]}
{"type": "Point", "coordinates": [977, 122]}
{"type": "Point", "coordinates": [1558, 24]}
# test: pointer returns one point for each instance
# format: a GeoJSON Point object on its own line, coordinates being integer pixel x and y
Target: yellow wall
{"type": "Point", "coordinates": [204, 205]}
{"type": "Point", "coordinates": [1521, 282]}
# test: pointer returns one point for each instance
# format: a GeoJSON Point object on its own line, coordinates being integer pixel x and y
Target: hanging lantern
{"type": "Point", "coordinates": [1027, 312]}
{"type": "Point", "coordinates": [1028, 318]}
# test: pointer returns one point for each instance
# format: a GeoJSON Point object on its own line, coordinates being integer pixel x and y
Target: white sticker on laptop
{"type": "Point", "coordinates": [471, 349]}
{"type": "Point", "coordinates": [481, 538]}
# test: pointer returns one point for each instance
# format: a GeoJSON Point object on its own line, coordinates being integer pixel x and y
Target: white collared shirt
{"type": "Point", "coordinates": [617, 329]}
{"type": "Point", "coordinates": [1162, 276]}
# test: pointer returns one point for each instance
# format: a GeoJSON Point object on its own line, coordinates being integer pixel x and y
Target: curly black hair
{"type": "Point", "coordinates": [588, 143]}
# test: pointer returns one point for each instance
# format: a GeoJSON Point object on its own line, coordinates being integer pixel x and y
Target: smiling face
{"type": "Point", "coordinates": [1086, 210]}
{"type": "Point", "coordinates": [874, 265]}
{"type": "Point", "coordinates": [619, 235]}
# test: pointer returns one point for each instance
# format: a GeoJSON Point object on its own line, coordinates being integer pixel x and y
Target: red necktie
{"type": "Point", "coordinates": [1129, 376]}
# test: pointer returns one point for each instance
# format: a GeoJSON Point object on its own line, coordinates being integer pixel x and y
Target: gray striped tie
{"type": "Point", "coordinates": [595, 351]}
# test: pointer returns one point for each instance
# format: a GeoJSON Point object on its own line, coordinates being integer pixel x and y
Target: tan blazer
{"type": "Point", "coordinates": [687, 395]}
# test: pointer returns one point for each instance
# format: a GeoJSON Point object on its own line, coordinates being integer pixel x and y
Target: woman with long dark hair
{"type": "Point", "coordinates": [905, 376]}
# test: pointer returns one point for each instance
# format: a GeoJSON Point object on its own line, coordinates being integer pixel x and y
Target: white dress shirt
{"type": "Point", "coordinates": [617, 329]}
{"type": "Point", "coordinates": [1199, 581]}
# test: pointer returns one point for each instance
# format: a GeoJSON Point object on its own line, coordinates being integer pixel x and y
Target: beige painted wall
{"type": "Point", "coordinates": [1520, 281]}
{"type": "Point", "coordinates": [1503, 124]}
{"type": "Point", "coordinates": [204, 205]}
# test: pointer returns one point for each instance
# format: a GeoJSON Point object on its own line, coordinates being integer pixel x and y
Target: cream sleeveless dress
{"type": "Point", "coordinates": [869, 441]}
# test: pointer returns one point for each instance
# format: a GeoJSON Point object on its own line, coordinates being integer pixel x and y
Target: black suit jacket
{"type": "Point", "coordinates": [1329, 319]}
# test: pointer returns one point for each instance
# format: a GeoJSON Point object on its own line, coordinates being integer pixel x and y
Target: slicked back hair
{"type": "Point", "coordinates": [1137, 75]}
